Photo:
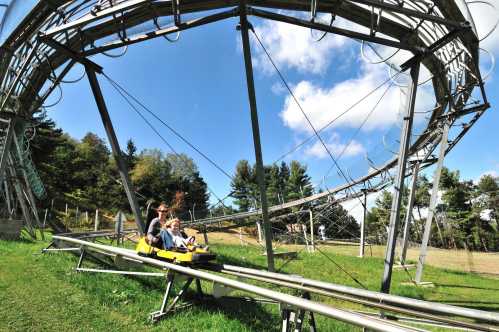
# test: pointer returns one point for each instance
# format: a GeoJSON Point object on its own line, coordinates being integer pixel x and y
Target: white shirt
{"type": "Point", "coordinates": [178, 239]}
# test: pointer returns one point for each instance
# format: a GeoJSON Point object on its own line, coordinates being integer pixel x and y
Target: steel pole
{"type": "Point", "coordinates": [408, 217]}
{"type": "Point", "coordinates": [312, 242]}
{"type": "Point", "coordinates": [433, 202]}
{"type": "Point", "coordinates": [405, 138]}
{"type": "Point", "coordinates": [6, 147]}
{"type": "Point", "coordinates": [244, 25]}
{"type": "Point", "coordinates": [363, 227]}
{"type": "Point", "coordinates": [111, 135]}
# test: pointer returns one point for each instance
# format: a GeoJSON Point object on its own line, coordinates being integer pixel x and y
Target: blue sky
{"type": "Point", "coordinates": [198, 86]}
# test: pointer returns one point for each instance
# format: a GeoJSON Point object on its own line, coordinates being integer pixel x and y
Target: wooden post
{"type": "Point", "coordinates": [259, 228]}
{"type": "Point", "coordinates": [304, 228]}
{"type": "Point", "coordinates": [363, 228]}
{"type": "Point", "coordinates": [76, 214]}
{"type": "Point", "coordinates": [205, 236]}
{"type": "Point", "coordinates": [96, 222]}
{"type": "Point", "coordinates": [45, 218]}
{"type": "Point", "coordinates": [66, 210]}
{"type": "Point", "coordinates": [312, 243]}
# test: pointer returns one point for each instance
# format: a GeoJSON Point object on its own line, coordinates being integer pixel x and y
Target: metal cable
{"type": "Point", "coordinates": [117, 88]}
{"type": "Point", "coordinates": [176, 133]}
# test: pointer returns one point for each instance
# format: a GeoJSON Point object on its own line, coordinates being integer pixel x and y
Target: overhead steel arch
{"type": "Point", "coordinates": [439, 33]}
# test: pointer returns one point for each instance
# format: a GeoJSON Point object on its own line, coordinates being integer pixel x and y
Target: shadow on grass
{"type": "Point", "coordinates": [251, 314]}
{"type": "Point", "coordinates": [485, 305]}
{"type": "Point", "coordinates": [465, 286]}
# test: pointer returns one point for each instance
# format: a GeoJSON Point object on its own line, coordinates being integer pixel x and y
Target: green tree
{"type": "Point", "coordinates": [298, 184]}
{"type": "Point", "coordinates": [338, 223]}
{"type": "Point", "coordinates": [130, 154]}
{"type": "Point", "coordinates": [378, 219]}
{"type": "Point", "coordinates": [243, 186]}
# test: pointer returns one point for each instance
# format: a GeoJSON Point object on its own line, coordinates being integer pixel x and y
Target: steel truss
{"type": "Point", "coordinates": [56, 34]}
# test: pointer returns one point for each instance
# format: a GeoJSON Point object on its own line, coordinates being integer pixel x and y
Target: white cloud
{"type": "Point", "coordinates": [337, 148]}
{"type": "Point", "coordinates": [322, 105]}
{"type": "Point", "coordinates": [355, 208]}
{"type": "Point", "coordinates": [294, 47]}
{"type": "Point", "coordinates": [485, 17]}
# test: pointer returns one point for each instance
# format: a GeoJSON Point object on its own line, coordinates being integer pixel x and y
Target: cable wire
{"type": "Point", "coordinates": [169, 127]}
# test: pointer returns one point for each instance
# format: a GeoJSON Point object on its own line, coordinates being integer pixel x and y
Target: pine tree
{"type": "Point", "coordinates": [242, 184]}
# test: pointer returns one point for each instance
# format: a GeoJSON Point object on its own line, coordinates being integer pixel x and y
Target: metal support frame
{"type": "Point", "coordinates": [6, 146]}
{"type": "Point", "coordinates": [399, 181]}
{"type": "Point", "coordinates": [291, 316]}
{"type": "Point", "coordinates": [362, 245]}
{"type": "Point", "coordinates": [82, 257]}
{"type": "Point", "coordinates": [20, 197]}
{"type": "Point", "coordinates": [28, 191]}
{"type": "Point", "coordinates": [8, 198]}
{"type": "Point", "coordinates": [165, 308]}
{"type": "Point", "coordinates": [111, 135]}
{"type": "Point", "coordinates": [408, 216]}
{"type": "Point", "coordinates": [244, 26]}
{"type": "Point", "coordinates": [433, 202]}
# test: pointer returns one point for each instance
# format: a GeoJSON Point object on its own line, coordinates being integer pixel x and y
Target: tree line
{"type": "Point", "coordinates": [465, 218]}
{"type": "Point", "coordinates": [84, 173]}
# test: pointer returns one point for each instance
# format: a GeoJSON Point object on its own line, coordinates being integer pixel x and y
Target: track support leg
{"type": "Point", "coordinates": [165, 308]}
{"type": "Point", "coordinates": [82, 256]}
{"type": "Point", "coordinates": [291, 317]}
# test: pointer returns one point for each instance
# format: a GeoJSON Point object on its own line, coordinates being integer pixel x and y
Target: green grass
{"type": "Point", "coordinates": [43, 293]}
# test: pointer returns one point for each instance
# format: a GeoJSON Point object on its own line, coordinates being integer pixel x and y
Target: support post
{"type": "Point", "coordinates": [96, 221]}
{"type": "Point", "coordinates": [399, 181]}
{"type": "Point", "coordinates": [408, 217]}
{"type": "Point", "coordinates": [433, 202]}
{"type": "Point", "coordinates": [45, 218]}
{"type": "Point", "coordinates": [312, 242]}
{"type": "Point", "coordinates": [205, 235]}
{"type": "Point", "coordinates": [244, 26]}
{"type": "Point", "coordinates": [363, 227]}
{"type": "Point", "coordinates": [111, 135]}
{"type": "Point", "coordinates": [259, 230]}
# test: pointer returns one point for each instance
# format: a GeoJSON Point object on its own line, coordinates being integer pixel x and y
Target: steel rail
{"type": "Point", "coordinates": [308, 305]}
{"type": "Point", "coordinates": [414, 304]}
{"type": "Point", "coordinates": [365, 302]}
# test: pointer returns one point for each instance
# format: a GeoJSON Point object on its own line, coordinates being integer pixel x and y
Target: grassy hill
{"type": "Point", "coordinates": [42, 292]}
